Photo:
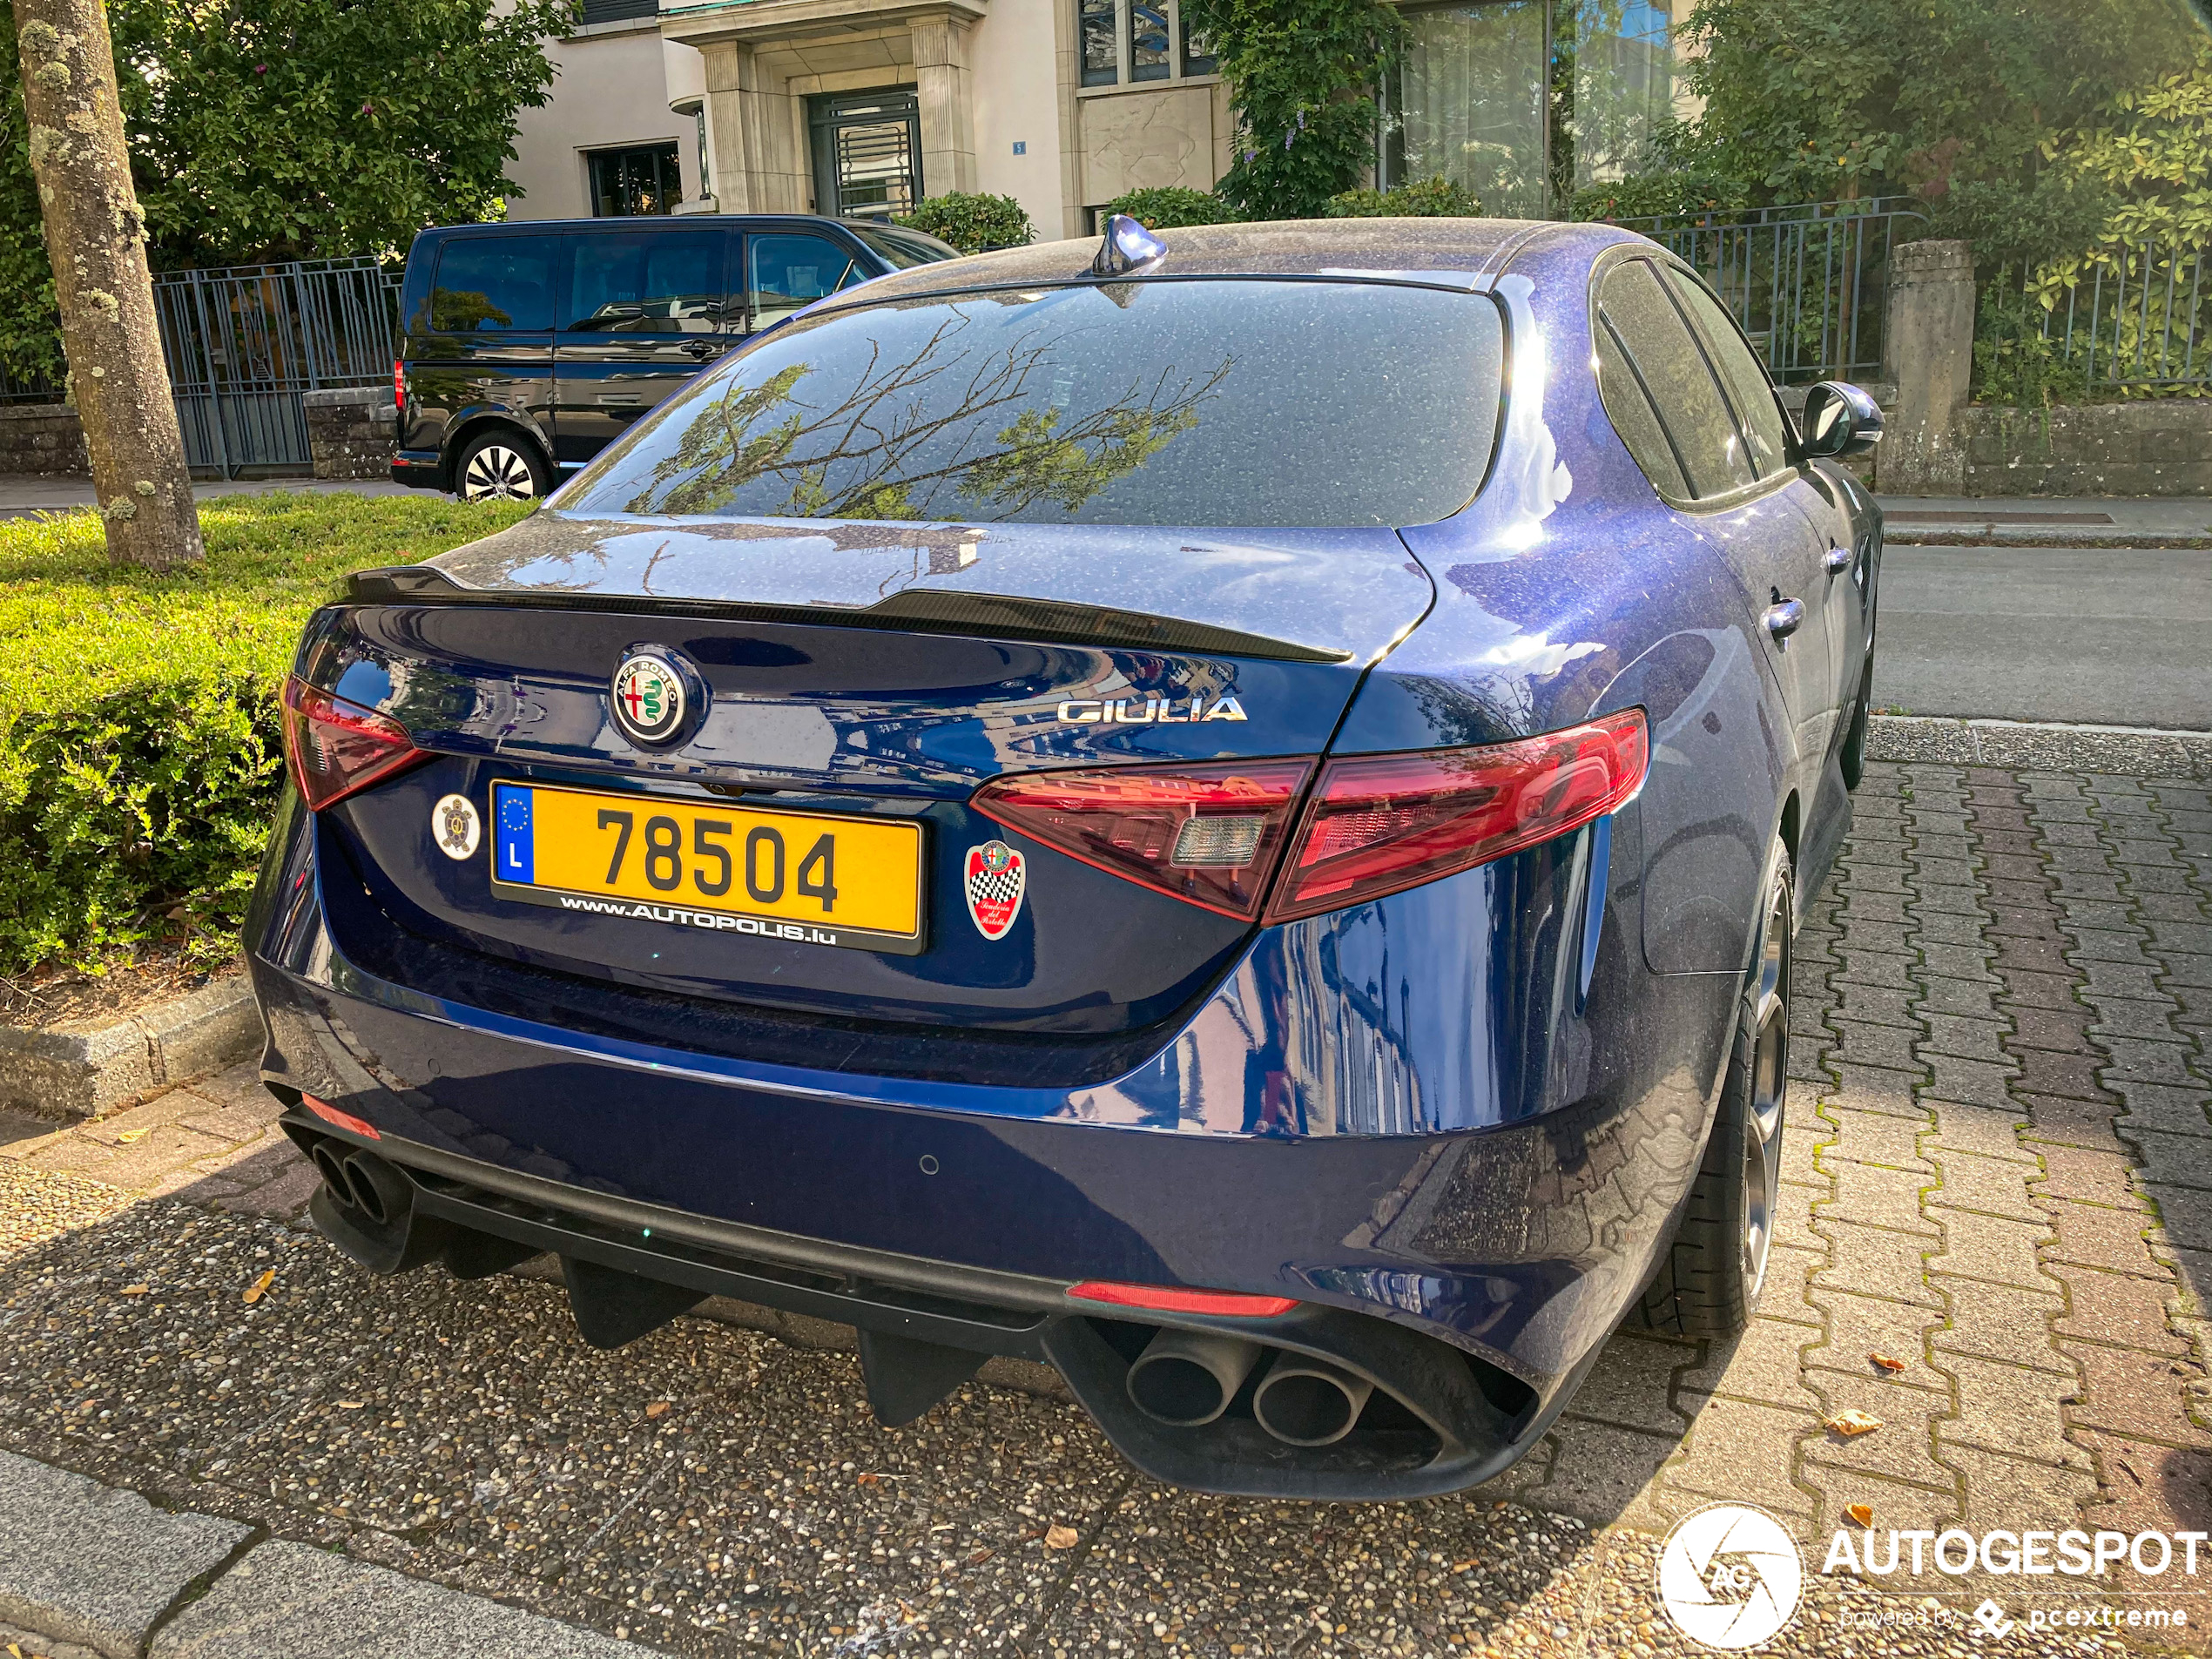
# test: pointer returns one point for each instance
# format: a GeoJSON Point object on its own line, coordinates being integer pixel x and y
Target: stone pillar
{"type": "Point", "coordinates": [728, 66]}
{"type": "Point", "coordinates": [1928, 355]}
{"type": "Point", "coordinates": [942, 87]}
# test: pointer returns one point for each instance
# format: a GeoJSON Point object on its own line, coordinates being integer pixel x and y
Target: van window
{"type": "Point", "coordinates": [790, 272]}
{"type": "Point", "coordinates": [495, 285]}
{"type": "Point", "coordinates": [637, 283]}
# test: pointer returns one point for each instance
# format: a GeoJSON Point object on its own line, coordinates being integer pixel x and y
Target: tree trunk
{"type": "Point", "coordinates": [96, 242]}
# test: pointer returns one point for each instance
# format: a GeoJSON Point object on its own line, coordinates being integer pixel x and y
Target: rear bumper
{"type": "Point", "coordinates": [418, 470]}
{"type": "Point", "coordinates": [1480, 1270]}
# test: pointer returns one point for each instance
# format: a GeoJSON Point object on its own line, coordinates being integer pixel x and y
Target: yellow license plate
{"type": "Point", "coordinates": [808, 878]}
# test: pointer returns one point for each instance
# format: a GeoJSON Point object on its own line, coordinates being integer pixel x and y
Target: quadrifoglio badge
{"type": "Point", "coordinates": [993, 875]}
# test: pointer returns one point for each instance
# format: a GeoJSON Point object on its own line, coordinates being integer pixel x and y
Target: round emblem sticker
{"type": "Point", "coordinates": [455, 828]}
{"type": "Point", "coordinates": [649, 698]}
{"type": "Point", "coordinates": [1729, 1575]}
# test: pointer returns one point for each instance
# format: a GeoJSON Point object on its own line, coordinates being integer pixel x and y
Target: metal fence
{"type": "Point", "coordinates": [2135, 317]}
{"type": "Point", "coordinates": [1810, 282]}
{"type": "Point", "coordinates": [243, 343]}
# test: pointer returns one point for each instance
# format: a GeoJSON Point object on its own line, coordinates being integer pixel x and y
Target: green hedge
{"type": "Point", "coordinates": [973, 224]}
{"type": "Point", "coordinates": [139, 755]}
{"type": "Point", "coordinates": [1422, 198]}
{"type": "Point", "coordinates": [1165, 207]}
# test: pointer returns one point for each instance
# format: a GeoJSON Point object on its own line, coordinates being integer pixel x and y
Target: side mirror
{"type": "Point", "coordinates": [1840, 420]}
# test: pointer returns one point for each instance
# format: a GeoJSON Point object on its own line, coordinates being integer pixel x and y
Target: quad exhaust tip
{"type": "Point", "coordinates": [1186, 1379]}
{"type": "Point", "coordinates": [1310, 1402]}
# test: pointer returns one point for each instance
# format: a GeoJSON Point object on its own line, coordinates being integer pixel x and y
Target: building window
{"type": "Point", "coordinates": [1128, 42]}
{"type": "Point", "coordinates": [1524, 102]}
{"type": "Point", "coordinates": [1101, 58]}
{"type": "Point", "coordinates": [630, 182]}
{"type": "Point", "coordinates": [618, 10]}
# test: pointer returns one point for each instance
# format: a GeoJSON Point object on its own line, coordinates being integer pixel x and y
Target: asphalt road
{"type": "Point", "coordinates": [2102, 637]}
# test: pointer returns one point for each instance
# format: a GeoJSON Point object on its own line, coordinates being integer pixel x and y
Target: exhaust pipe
{"type": "Point", "coordinates": [1310, 1402]}
{"type": "Point", "coordinates": [375, 1189]}
{"type": "Point", "coordinates": [329, 1160]}
{"type": "Point", "coordinates": [1185, 1378]}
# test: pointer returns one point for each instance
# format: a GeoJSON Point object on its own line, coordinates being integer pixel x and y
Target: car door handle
{"type": "Point", "coordinates": [699, 348]}
{"type": "Point", "coordinates": [1838, 560]}
{"type": "Point", "coordinates": [1782, 619]}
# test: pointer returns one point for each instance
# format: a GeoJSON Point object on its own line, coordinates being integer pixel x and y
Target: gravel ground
{"type": "Point", "coordinates": [716, 1492]}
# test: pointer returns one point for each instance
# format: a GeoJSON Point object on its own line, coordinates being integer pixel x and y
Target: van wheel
{"type": "Point", "coordinates": [498, 467]}
{"type": "Point", "coordinates": [1710, 1278]}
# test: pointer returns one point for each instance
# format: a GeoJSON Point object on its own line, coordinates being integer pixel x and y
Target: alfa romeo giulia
{"type": "Point", "coordinates": [1222, 811]}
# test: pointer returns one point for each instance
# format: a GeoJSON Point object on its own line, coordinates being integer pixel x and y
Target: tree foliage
{"type": "Point", "coordinates": [289, 129]}
{"type": "Point", "coordinates": [972, 223]}
{"type": "Point", "coordinates": [1302, 75]}
{"type": "Point", "coordinates": [1963, 103]}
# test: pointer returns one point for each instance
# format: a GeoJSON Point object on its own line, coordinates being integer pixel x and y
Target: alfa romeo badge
{"type": "Point", "coordinates": [993, 875]}
{"type": "Point", "coordinates": [455, 828]}
{"type": "Point", "coordinates": [649, 698]}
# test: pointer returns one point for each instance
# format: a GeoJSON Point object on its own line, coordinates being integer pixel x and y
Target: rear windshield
{"type": "Point", "coordinates": [1200, 403]}
{"type": "Point", "coordinates": [903, 248]}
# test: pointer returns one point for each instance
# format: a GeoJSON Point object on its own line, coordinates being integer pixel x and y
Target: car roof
{"type": "Point", "coordinates": [1403, 248]}
{"type": "Point", "coordinates": [642, 221]}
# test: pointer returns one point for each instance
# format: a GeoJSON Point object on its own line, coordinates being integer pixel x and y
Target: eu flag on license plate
{"type": "Point", "coordinates": [517, 847]}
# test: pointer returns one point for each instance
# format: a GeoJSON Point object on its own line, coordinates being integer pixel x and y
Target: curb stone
{"type": "Point", "coordinates": [2017, 535]}
{"type": "Point", "coordinates": [82, 1068]}
{"type": "Point", "coordinates": [94, 1564]}
{"type": "Point", "coordinates": [2032, 746]}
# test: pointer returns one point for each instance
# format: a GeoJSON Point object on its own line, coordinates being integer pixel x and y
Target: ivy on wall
{"type": "Point", "coordinates": [1302, 75]}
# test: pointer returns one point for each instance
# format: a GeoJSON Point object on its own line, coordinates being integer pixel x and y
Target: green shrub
{"type": "Point", "coordinates": [973, 224]}
{"type": "Point", "coordinates": [139, 755]}
{"type": "Point", "coordinates": [1165, 206]}
{"type": "Point", "coordinates": [1422, 198]}
{"type": "Point", "coordinates": [1651, 194]}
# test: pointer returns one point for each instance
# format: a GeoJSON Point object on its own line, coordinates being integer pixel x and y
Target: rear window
{"type": "Point", "coordinates": [1202, 403]}
{"type": "Point", "coordinates": [495, 285]}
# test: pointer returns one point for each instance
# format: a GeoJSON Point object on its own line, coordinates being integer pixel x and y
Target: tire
{"type": "Point", "coordinates": [1852, 756]}
{"type": "Point", "coordinates": [499, 466]}
{"type": "Point", "coordinates": [1710, 1278]}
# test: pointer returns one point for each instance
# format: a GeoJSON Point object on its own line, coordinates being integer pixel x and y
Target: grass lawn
{"type": "Point", "coordinates": [139, 749]}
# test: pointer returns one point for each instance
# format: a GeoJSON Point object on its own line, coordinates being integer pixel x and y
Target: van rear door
{"type": "Point", "coordinates": [646, 310]}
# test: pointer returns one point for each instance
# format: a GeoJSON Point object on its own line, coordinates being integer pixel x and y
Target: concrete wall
{"type": "Point", "coordinates": [1016, 102]}
{"type": "Point", "coordinates": [2157, 446]}
{"type": "Point", "coordinates": [41, 438]}
{"type": "Point", "coordinates": [610, 89]}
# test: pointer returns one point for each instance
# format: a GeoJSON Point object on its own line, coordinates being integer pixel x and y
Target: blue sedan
{"type": "Point", "coordinates": [1224, 811]}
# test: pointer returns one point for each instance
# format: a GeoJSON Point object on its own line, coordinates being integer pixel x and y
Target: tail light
{"type": "Point", "coordinates": [1379, 824]}
{"type": "Point", "coordinates": [1373, 825]}
{"type": "Point", "coordinates": [1209, 834]}
{"type": "Point", "coordinates": [337, 748]}
{"type": "Point", "coordinates": [398, 381]}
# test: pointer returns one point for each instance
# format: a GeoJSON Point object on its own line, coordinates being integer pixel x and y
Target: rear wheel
{"type": "Point", "coordinates": [1710, 1278]}
{"type": "Point", "coordinates": [501, 466]}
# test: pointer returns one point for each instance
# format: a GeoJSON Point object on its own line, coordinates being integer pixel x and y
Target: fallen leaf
{"type": "Point", "coordinates": [259, 1287]}
{"type": "Point", "coordinates": [136, 1290]}
{"type": "Point", "coordinates": [1886, 1362]}
{"type": "Point", "coordinates": [865, 1479]}
{"type": "Point", "coordinates": [131, 1135]}
{"type": "Point", "coordinates": [1060, 1537]}
{"type": "Point", "coordinates": [659, 1408]}
{"type": "Point", "coordinates": [1862, 1513]}
{"type": "Point", "coordinates": [1853, 1422]}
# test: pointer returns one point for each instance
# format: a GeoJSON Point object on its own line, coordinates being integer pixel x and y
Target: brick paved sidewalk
{"type": "Point", "coordinates": [2000, 1151]}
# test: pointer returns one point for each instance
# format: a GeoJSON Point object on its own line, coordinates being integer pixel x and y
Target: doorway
{"type": "Point", "coordinates": [867, 152]}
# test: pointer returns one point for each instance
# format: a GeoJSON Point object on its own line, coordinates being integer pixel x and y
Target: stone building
{"type": "Point", "coordinates": [864, 106]}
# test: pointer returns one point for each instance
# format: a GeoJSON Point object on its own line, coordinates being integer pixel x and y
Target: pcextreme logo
{"type": "Point", "coordinates": [1729, 1575]}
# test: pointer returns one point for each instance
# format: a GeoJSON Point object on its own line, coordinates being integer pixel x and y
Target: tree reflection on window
{"type": "Point", "coordinates": [949, 431]}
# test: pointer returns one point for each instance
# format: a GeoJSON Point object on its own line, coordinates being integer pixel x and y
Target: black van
{"type": "Point", "coordinates": [527, 348]}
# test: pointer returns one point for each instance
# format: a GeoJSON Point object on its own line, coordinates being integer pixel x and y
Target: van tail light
{"type": "Point", "coordinates": [337, 748]}
{"type": "Point", "coordinates": [1379, 824]}
{"type": "Point", "coordinates": [398, 381]}
{"type": "Point", "coordinates": [1209, 834]}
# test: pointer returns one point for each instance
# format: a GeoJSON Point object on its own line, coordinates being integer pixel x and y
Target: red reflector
{"type": "Point", "coordinates": [337, 1119]}
{"type": "Point", "coordinates": [337, 748]}
{"type": "Point", "coordinates": [1166, 1299]}
{"type": "Point", "coordinates": [1210, 834]}
{"type": "Point", "coordinates": [1379, 824]}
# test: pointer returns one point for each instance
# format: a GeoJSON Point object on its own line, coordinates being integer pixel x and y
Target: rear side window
{"type": "Point", "coordinates": [790, 272]}
{"type": "Point", "coordinates": [1672, 368]}
{"type": "Point", "coordinates": [642, 283]}
{"type": "Point", "coordinates": [1627, 405]}
{"type": "Point", "coordinates": [1203, 403]}
{"type": "Point", "coordinates": [1748, 389]}
{"type": "Point", "coordinates": [491, 285]}
{"type": "Point", "coordinates": [903, 249]}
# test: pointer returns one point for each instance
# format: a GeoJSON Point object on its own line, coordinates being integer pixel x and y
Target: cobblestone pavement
{"type": "Point", "coordinates": [1999, 1156]}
